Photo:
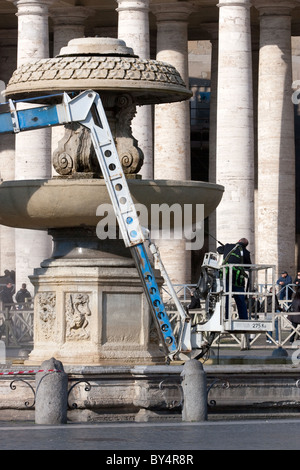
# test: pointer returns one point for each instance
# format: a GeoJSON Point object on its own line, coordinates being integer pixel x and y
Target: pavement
{"type": "Point", "coordinates": [147, 441]}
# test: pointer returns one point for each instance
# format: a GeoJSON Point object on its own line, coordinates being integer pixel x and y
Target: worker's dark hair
{"type": "Point", "coordinates": [244, 241]}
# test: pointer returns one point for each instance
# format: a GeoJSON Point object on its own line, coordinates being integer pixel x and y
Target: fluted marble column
{"type": "Point", "coordinates": [32, 155]}
{"type": "Point", "coordinates": [172, 125]}
{"type": "Point", "coordinates": [133, 28]}
{"type": "Point", "coordinates": [235, 143]}
{"type": "Point", "coordinates": [276, 146]}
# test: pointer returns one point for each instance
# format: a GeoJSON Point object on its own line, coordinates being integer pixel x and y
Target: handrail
{"type": "Point", "coordinates": [279, 318]}
{"type": "Point", "coordinates": [16, 324]}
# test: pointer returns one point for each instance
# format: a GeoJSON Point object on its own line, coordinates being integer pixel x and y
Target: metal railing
{"type": "Point", "coordinates": [281, 336]}
{"type": "Point", "coordinates": [16, 324]}
{"type": "Point", "coordinates": [184, 292]}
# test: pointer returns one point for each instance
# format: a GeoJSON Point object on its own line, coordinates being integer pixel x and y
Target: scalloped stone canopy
{"type": "Point", "coordinates": [105, 64]}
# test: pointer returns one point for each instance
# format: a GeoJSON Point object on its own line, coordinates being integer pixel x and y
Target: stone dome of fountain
{"type": "Point", "coordinates": [105, 64]}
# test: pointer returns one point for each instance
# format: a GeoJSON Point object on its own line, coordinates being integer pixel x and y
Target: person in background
{"type": "Point", "coordinates": [297, 279]}
{"type": "Point", "coordinates": [282, 282]}
{"type": "Point", "coordinates": [6, 295]}
{"type": "Point", "coordinates": [23, 295]}
{"type": "Point", "coordinates": [295, 319]}
{"type": "Point", "coordinates": [195, 302]}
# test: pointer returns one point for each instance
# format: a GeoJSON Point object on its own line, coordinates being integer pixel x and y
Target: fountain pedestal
{"type": "Point", "coordinates": [90, 307]}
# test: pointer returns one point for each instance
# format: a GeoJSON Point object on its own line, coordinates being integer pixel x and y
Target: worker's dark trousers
{"type": "Point", "coordinates": [240, 302]}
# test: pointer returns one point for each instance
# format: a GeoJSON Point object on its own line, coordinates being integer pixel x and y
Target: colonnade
{"type": "Point", "coordinates": [269, 223]}
{"type": "Point", "coordinates": [264, 214]}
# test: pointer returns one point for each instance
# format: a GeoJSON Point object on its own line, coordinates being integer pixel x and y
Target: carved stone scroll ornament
{"type": "Point", "coordinates": [131, 156]}
{"type": "Point", "coordinates": [77, 311]}
{"type": "Point", "coordinates": [46, 303]}
{"type": "Point", "coordinates": [75, 155]}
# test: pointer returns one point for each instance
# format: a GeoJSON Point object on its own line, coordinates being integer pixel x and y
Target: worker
{"type": "Point", "coordinates": [195, 301]}
{"type": "Point", "coordinates": [236, 254]}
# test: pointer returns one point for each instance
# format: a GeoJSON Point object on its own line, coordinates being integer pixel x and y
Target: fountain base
{"type": "Point", "coordinates": [90, 307]}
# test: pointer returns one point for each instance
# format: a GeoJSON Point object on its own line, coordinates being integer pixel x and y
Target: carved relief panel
{"type": "Point", "coordinates": [77, 312]}
{"type": "Point", "coordinates": [46, 312]}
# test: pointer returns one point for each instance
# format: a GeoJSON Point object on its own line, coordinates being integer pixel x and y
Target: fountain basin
{"type": "Point", "coordinates": [61, 203]}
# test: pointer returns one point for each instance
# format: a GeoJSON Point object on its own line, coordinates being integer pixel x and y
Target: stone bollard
{"type": "Point", "coordinates": [51, 398]}
{"type": "Point", "coordinates": [2, 353]}
{"type": "Point", "coordinates": [194, 392]}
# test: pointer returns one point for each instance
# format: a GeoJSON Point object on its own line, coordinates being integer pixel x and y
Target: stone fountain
{"type": "Point", "coordinates": [90, 309]}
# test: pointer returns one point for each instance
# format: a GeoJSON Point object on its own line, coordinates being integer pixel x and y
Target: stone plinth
{"type": "Point", "coordinates": [90, 306]}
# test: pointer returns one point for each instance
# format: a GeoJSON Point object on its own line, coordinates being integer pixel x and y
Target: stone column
{"type": "Point", "coordinates": [296, 77]}
{"type": "Point", "coordinates": [276, 145]}
{"type": "Point", "coordinates": [255, 61]}
{"type": "Point", "coordinates": [213, 30]}
{"type": "Point", "coordinates": [8, 63]}
{"type": "Point", "coordinates": [133, 28]}
{"type": "Point", "coordinates": [68, 24]}
{"type": "Point", "coordinates": [172, 125]}
{"type": "Point", "coordinates": [172, 120]}
{"type": "Point", "coordinates": [32, 158]}
{"type": "Point", "coordinates": [33, 41]}
{"type": "Point", "coordinates": [235, 143]}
